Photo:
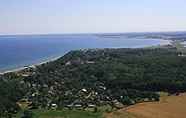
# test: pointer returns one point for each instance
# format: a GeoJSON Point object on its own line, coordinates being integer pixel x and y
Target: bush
{"type": "Point", "coordinates": [27, 114]}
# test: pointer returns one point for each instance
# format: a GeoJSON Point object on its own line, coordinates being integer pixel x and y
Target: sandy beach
{"type": "Point", "coordinates": [30, 66]}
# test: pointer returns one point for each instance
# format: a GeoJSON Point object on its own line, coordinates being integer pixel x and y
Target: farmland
{"type": "Point", "coordinates": [167, 107]}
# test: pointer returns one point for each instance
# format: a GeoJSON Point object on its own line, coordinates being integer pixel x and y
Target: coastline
{"type": "Point", "coordinates": [50, 59]}
{"type": "Point", "coordinates": [30, 66]}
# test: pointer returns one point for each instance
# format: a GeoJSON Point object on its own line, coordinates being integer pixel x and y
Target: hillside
{"type": "Point", "coordinates": [90, 79]}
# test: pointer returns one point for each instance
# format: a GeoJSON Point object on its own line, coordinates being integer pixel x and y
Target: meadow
{"type": "Point", "coordinates": [167, 107]}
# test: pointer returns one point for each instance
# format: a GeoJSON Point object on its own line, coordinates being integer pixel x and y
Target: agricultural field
{"type": "Point", "coordinates": [168, 107]}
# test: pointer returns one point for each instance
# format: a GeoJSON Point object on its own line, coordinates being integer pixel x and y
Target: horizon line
{"type": "Point", "coordinates": [27, 34]}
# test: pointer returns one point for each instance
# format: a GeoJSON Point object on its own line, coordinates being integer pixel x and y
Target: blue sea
{"type": "Point", "coordinates": [23, 50]}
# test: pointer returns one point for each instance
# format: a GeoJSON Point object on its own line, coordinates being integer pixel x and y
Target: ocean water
{"type": "Point", "coordinates": [18, 51]}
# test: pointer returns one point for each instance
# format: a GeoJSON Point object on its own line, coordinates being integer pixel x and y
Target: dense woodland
{"type": "Point", "coordinates": [11, 90]}
{"type": "Point", "coordinates": [96, 77]}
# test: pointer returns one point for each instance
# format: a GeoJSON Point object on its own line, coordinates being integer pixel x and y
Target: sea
{"type": "Point", "coordinates": [18, 51]}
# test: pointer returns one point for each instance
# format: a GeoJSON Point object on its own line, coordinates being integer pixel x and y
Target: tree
{"type": "Point", "coordinates": [27, 114]}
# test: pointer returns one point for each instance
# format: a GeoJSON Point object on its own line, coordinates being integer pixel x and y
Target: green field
{"type": "Point", "coordinates": [63, 114]}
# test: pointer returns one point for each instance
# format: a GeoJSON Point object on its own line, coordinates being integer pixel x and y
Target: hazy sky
{"type": "Point", "coordinates": [89, 16]}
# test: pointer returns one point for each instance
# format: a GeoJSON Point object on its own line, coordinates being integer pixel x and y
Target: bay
{"type": "Point", "coordinates": [24, 50]}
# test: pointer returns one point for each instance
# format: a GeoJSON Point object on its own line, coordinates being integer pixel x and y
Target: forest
{"type": "Point", "coordinates": [96, 77]}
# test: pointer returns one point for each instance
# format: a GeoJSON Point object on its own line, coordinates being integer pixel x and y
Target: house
{"type": "Point", "coordinates": [90, 62]}
{"type": "Point", "coordinates": [181, 55]}
{"type": "Point", "coordinates": [118, 104]}
{"type": "Point", "coordinates": [54, 106]}
{"type": "Point", "coordinates": [25, 75]}
{"type": "Point", "coordinates": [84, 90]}
{"type": "Point", "coordinates": [77, 105]}
{"type": "Point", "coordinates": [91, 105]}
{"type": "Point", "coordinates": [68, 63]}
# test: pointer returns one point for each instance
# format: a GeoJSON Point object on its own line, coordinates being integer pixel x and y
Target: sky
{"type": "Point", "coordinates": [91, 16]}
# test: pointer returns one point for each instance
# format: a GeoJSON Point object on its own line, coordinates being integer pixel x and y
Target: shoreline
{"type": "Point", "coordinates": [55, 58]}
{"type": "Point", "coordinates": [30, 66]}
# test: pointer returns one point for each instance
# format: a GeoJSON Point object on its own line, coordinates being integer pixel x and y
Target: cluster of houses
{"type": "Point", "coordinates": [79, 61]}
{"type": "Point", "coordinates": [85, 98]}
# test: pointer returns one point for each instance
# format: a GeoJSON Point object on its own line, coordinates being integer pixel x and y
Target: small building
{"type": "Point", "coordinates": [84, 90]}
{"type": "Point", "coordinates": [118, 104]}
{"type": "Point", "coordinates": [181, 55]}
{"type": "Point", "coordinates": [77, 105]}
{"type": "Point", "coordinates": [54, 106]}
{"type": "Point", "coordinates": [90, 62]}
{"type": "Point", "coordinates": [68, 63]}
{"type": "Point", "coordinates": [91, 105]}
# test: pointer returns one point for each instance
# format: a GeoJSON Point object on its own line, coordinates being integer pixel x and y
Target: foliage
{"type": "Point", "coordinates": [65, 114]}
{"type": "Point", "coordinates": [10, 92]}
{"type": "Point", "coordinates": [97, 77]}
{"type": "Point", "coordinates": [27, 114]}
{"type": "Point", "coordinates": [125, 75]}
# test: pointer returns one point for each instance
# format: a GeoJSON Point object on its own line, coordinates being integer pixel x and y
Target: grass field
{"type": "Point", "coordinates": [64, 114]}
{"type": "Point", "coordinates": [168, 107]}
